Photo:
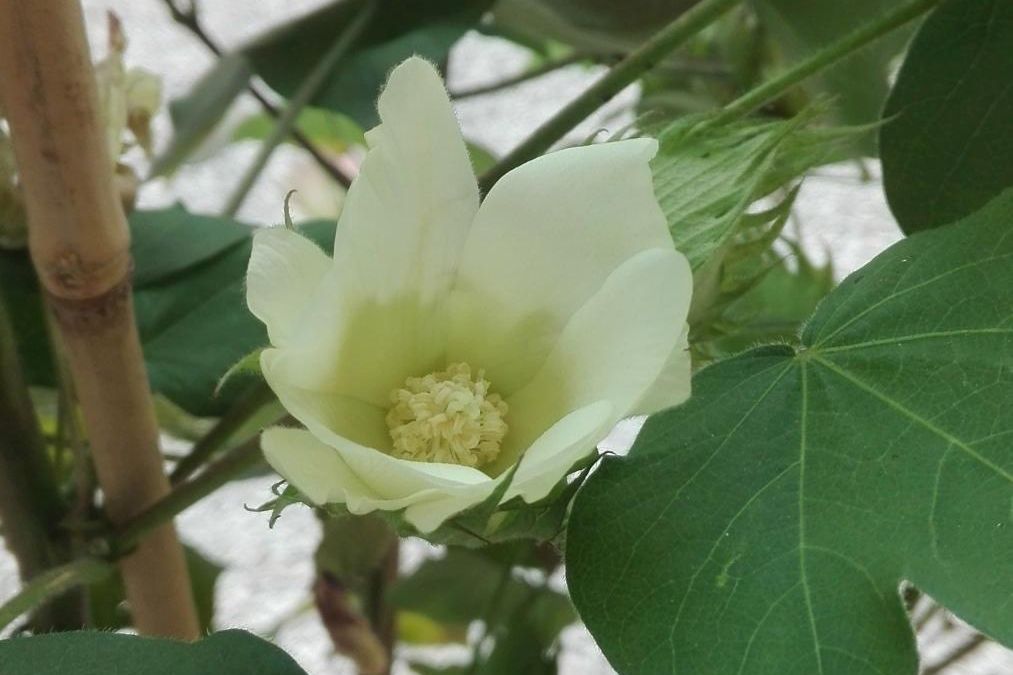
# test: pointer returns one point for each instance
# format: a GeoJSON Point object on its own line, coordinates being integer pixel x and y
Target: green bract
{"type": "Point", "coordinates": [562, 292]}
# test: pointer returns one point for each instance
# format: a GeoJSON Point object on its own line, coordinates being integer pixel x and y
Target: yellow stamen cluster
{"type": "Point", "coordinates": [447, 417]}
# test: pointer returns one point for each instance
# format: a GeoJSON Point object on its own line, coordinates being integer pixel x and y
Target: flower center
{"type": "Point", "coordinates": [447, 417]}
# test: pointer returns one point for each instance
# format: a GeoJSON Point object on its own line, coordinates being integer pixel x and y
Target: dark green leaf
{"type": "Point", "coordinates": [947, 146]}
{"type": "Point", "coordinates": [190, 304]}
{"type": "Point", "coordinates": [765, 525]}
{"type": "Point", "coordinates": [427, 28]}
{"type": "Point", "coordinates": [231, 652]}
{"type": "Point", "coordinates": [172, 240]}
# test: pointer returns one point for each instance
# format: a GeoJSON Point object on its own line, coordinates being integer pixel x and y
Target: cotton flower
{"type": "Point", "coordinates": [447, 341]}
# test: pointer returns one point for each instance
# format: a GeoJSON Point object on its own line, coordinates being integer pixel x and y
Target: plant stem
{"type": "Point", "coordinates": [30, 503]}
{"type": "Point", "coordinates": [489, 615]}
{"type": "Point", "coordinates": [618, 78]}
{"type": "Point", "coordinates": [191, 21]}
{"type": "Point", "coordinates": [255, 397]}
{"type": "Point", "coordinates": [234, 463]}
{"type": "Point", "coordinates": [307, 90]}
{"type": "Point", "coordinates": [52, 583]}
{"type": "Point", "coordinates": [79, 243]}
{"type": "Point", "coordinates": [520, 78]}
{"type": "Point", "coordinates": [832, 53]}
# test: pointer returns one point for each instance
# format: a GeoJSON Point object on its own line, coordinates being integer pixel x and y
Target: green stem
{"type": "Point", "coordinates": [832, 53]}
{"type": "Point", "coordinates": [520, 78]}
{"type": "Point", "coordinates": [52, 583]}
{"type": "Point", "coordinates": [255, 397]}
{"type": "Point", "coordinates": [618, 78]}
{"type": "Point", "coordinates": [234, 463]}
{"type": "Point", "coordinates": [30, 504]}
{"type": "Point", "coordinates": [489, 615]}
{"type": "Point", "coordinates": [307, 90]}
{"type": "Point", "coordinates": [190, 20]}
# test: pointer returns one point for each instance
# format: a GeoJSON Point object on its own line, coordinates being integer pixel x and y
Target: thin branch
{"type": "Point", "coordinates": [307, 90]}
{"type": "Point", "coordinates": [190, 20]}
{"type": "Point", "coordinates": [832, 53]}
{"type": "Point", "coordinates": [79, 244]}
{"type": "Point", "coordinates": [618, 78]}
{"type": "Point", "coordinates": [232, 464]}
{"type": "Point", "coordinates": [520, 78]}
{"type": "Point", "coordinates": [255, 397]}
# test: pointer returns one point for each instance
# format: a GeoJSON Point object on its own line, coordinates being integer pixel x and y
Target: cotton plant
{"type": "Point", "coordinates": [438, 354]}
{"type": "Point", "coordinates": [451, 343]}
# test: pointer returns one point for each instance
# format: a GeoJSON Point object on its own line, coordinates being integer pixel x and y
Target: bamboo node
{"type": "Point", "coordinates": [95, 314]}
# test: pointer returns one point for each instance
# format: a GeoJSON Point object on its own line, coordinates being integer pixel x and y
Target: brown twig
{"type": "Point", "coordinates": [79, 243]}
{"type": "Point", "coordinates": [190, 20]}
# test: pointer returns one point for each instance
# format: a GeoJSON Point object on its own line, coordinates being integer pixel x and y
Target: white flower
{"type": "Point", "coordinates": [447, 341]}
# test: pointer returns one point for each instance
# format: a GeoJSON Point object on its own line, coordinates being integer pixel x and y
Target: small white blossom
{"type": "Point", "coordinates": [446, 341]}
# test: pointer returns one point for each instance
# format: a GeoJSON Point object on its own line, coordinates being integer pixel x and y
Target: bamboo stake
{"type": "Point", "coordinates": [79, 244]}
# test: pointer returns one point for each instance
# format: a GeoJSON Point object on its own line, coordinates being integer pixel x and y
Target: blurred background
{"type": "Point", "coordinates": [840, 219]}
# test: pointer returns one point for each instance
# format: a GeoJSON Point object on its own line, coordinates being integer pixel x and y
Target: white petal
{"type": "Point", "coordinates": [351, 417]}
{"type": "Point", "coordinates": [407, 212]}
{"type": "Point", "coordinates": [429, 492]}
{"type": "Point", "coordinates": [321, 473]}
{"type": "Point", "coordinates": [613, 348]}
{"type": "Point", "coordinates": [284, 272]}
{"type": "Point", "coordinates": [673, 384]}
{"type": "Point", "coordinates": [315, 469]}
{"type": "Point", "coordinates": [544, 240]}
{"type": "Point", "coordinates": [556, 451]}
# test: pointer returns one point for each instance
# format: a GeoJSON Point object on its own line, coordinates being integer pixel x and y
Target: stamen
{"type": "Point", "coordinates": [447, 417]}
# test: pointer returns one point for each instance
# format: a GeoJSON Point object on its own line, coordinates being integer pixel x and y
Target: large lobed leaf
{"type": "Point", "coordinates": [764, 526]}
{"type": "Point", "coordinates": [231, 652]}
{"type": "Point", "coordinates": [947, 146]}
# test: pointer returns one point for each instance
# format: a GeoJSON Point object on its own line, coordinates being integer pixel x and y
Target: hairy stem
{"type": "Point", "coordinates": [191, 21]}
{"type": "Point", "coordinates": [618, 78]}
{"type": "Point", "coordinates": [829, 55]}
{"type": "Point", "coordinates": [307, 90]}
{"type": "Point", "coordinates": [52, 583]}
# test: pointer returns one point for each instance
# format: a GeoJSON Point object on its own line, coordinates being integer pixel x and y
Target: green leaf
{"type": "Point", "coordinates": [458, 589]}
{"type": "Point", "coordinates": [947, 146]}
{"type": "Point", "coordinates": [189, 303]}
{"type": "Point", "coordinates": [195, 115]}
{"type": "Point", "coordinates": [284, 56]}
{"type": "Point", "coordinates": [331, 130]}
{"type": "Point", "coordinates": [800, 28]}
{"type": "Point", "coordinates": [173, 240]}
{"type": "Point", "coordinates": [765, 525]}
{"type": "Point", "coordinates": [231, 652]}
